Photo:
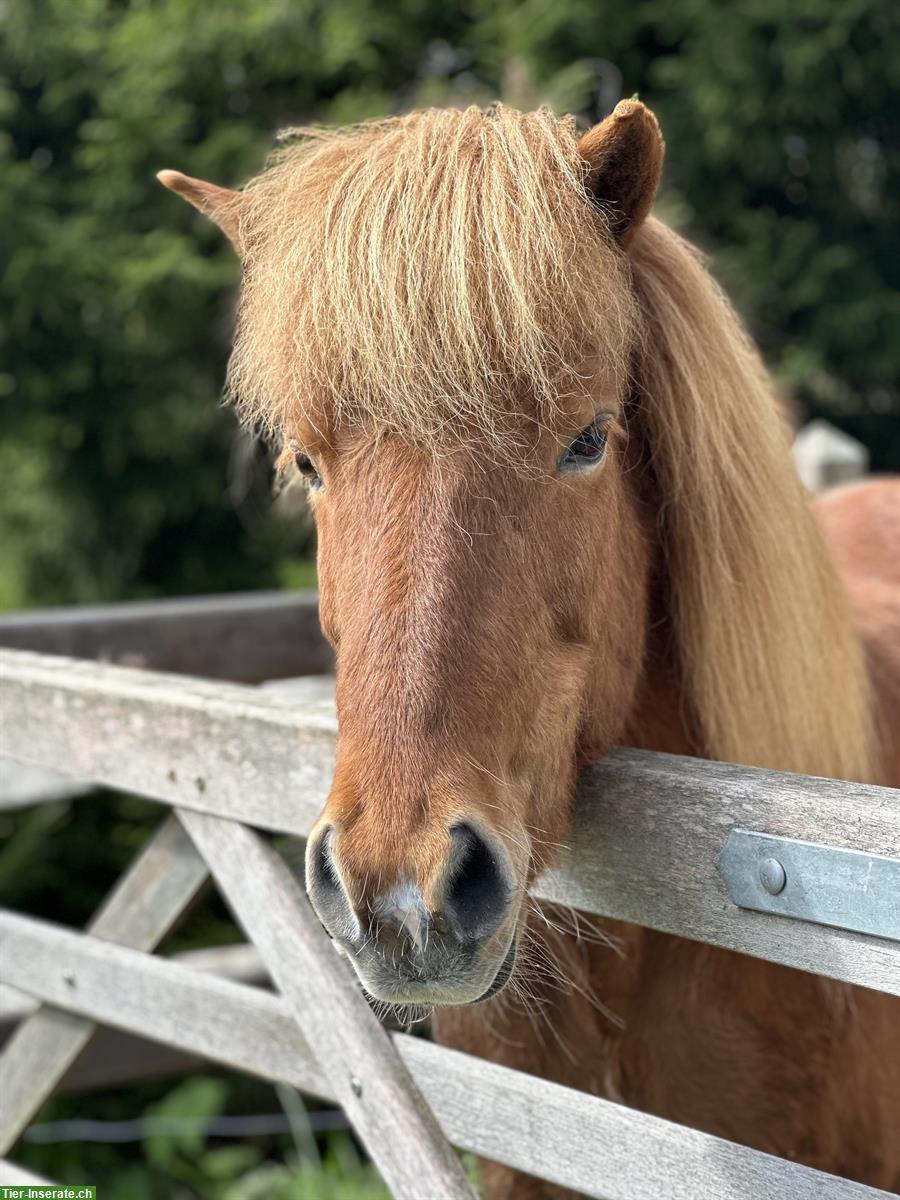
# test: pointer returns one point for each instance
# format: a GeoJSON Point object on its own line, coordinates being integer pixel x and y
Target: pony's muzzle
{"type": "Point", "coordinates": [450, 940]}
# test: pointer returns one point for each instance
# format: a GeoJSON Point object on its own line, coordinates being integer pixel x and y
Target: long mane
{"type": "Point", "coordinates": [772, 666]}
{"type": "Point", "coordinates": [426, 272]}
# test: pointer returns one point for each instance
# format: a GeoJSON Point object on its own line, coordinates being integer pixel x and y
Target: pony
{"type": "Point", "coordinates": [557, 513]}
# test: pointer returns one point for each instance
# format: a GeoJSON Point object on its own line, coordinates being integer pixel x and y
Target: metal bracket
{"type": "Point", "coordinates": [846, 889]}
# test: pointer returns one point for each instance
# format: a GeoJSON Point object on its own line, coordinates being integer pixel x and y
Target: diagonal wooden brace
{"type": "Point", "coordinates": [367, 1076]}
{"type": "Point", "coordinates": [140, 910]}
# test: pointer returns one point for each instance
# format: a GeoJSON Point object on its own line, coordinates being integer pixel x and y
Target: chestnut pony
{"type": "Point", "coordinates": [556, 512]}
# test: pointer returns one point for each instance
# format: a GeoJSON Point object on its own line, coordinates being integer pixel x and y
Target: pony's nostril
{"type": "Point", "coordinates": [478, 891]}
{"type": "Point", "coordinates": [325, 890]}
{"type": "Point", "coordinates": [321, 877]}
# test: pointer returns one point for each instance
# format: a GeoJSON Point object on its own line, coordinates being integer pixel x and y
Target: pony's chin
{"type": "Point", "coordinates": [424, 1001]}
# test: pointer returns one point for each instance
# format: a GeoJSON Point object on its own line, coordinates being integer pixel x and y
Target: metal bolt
{"type": "Point", "coordinates": [355, 1085]}
{"type": "Point", "coordinates": [772, 876]}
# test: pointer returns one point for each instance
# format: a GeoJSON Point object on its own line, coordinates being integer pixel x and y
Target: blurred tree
{"type": "Point", "coordinates": [781, 121]}
{"type": "Point", "coordinates": [116, 298]}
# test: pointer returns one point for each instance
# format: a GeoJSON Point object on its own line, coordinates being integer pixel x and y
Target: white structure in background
{"type": "Point", "coordinates": [825, 456]}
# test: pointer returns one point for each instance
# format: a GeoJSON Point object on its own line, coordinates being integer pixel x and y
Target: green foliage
{"type": "Point", "coordinates": [177, 1159]}
{"type": "Point", "coordinates": [783, 161]}
{"type": "Point", "coordinates": [187, 1107]}
{"type": "Point", "coordinates": [59, 860]}
{"type": "Point", "coordinates": [339, 1175]}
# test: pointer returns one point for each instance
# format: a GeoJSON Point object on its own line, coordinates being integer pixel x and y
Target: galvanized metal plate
{"type": "Point", "coordinates": [828, 885]}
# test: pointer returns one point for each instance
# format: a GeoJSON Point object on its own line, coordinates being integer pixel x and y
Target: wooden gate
{"type": "Point", "coordinates": [235, 761]}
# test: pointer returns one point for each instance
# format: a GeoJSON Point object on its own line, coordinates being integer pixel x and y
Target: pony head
{"type": "Point", "coordinates": [521, 408]}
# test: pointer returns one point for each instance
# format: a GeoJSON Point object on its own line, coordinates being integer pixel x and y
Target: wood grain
{"type": "Point", "coordinates": [647, 837]}
{"type": "Point", "coordinates": [567, 1137]}
{"type": "Point", "coordinates": [242, 752]}
{"type": "Point", "coordinates": [239, 961]}
{"type": "Point", "coordinates": [23, 784]}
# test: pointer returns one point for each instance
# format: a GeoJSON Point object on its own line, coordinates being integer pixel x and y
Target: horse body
{"type": "Point", "coordinates": [861, 525]}
{"type": "Point", "coordinates": [556, 513]}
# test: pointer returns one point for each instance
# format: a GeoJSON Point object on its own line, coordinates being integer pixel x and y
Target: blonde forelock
{"type": "Point", "coordinates": [440, 274]}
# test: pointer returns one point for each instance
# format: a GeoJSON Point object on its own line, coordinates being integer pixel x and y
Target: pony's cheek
{"type": "Point", "coordinates": [328, 613]}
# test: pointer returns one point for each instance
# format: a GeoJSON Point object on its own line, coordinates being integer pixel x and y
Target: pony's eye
{"type": "Point", "coordinates": [587, 449]}
{"type": "Point", "coordinates": [307, 468]}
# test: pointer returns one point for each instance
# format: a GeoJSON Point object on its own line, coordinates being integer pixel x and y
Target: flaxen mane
{"type": "Point", "coordinates": [439, 273]}
{"type": "Point", "coordinates": [771, 662]}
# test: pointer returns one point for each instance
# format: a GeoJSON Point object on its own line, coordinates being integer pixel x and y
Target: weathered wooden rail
{"type": "Point", "coordinates": [247, 636]}
{"type": "Point", "coordinates": [231, 760]}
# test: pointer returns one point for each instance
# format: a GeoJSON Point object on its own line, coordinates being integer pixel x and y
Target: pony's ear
{"type": "Point", "coordinates": [221, 205]}
{"type": "Point", "coordinates": [624, 156]}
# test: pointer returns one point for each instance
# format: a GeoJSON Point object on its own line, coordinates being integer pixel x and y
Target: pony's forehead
{"type": "Point", "coordinates": [518, 437]}
{"type": "Point", "coordinates": [441, 275]}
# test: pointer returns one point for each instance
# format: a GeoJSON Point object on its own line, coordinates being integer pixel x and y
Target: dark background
{"type": "Point", "coordinates": [124, 477]}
